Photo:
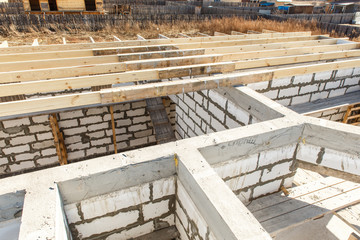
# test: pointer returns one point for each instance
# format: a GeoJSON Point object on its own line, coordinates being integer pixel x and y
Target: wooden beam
{"type": "Point", "coordinates": [113, 128]}
{"type": "Point", "coordinates": [220, 34]}
{"type": "Point", "coordinates": [58, 139]}
{"type": "Point", "coordinates": [237, 33]}
{"type": "Point", "coordinates": [141, 38]}
{"type": "Point", "coordinates": [117, 39]}
{"type": "Point", "coordinates": [161, 36]}
{"type": "Point", "coordinates": [253, 32]}
{"type": "Point", "coordinates": [203, 34]}
{"type": "Point", "coordinates": [77, 46]}
{"type": "Point", "coordinates": [268, 31]}
{"type": "Point", "coordinates": [183, 35]}
{"type": "Point", "coordinates": [130, 93]}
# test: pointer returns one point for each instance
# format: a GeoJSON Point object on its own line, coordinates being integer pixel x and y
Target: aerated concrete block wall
{"type": "Point", "coordinates": [335, 114]}
{"type": "Point", "coordinates": [310, 87]}
{"type": "Point", "coordinates": [124, 214]}
{"type": "Point", "coordinates": [28, 143]}
{"type": "Point", "coordinates": [207, 111]}
{"type": "Point", "coordinates": [259, 174]}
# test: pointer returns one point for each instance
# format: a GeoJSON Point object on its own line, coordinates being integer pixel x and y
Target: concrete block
{"type": "Point", "coordinates": [322, 76]}
{"type": "Point", "coordinates": [204, 115]}
{"type": "Point", "coordinates": [189, 101]}
{"type": "Point", "coordinates": [26, 156]}
{"type": "Point", "coordinates": [163, 187]}
{"type": "Point", "coordinates": [4, 161]}
{"type": "Point", "coordinates": [123, 122]}
{"type": "Point", "coordinates": [353, 89]}
{"type": "Point", "coordinates": [182, 231]}
{"type": "Point", "coordinates": [236, 167]}
{"type": "Point", "coordinates": [337, 92]}
{"type": "Point", "coordinates": [239, 113]}
{"type": "Point", "coordinates": [330, 112]}
{"type": "Point", "coordinates": [111, 202]}
{"type": "Point", "coordinates": [133, 232]}
{"type": "Point", "coordinates": [76, 155]}
{"type": "Point", "coordinates": [337, 117]}
{"type": "Point", "coordinates": [74, 131]}
{"type": "Point", "coordinates": [288, 182]}
{"type": "Point", "coordinates": [48, 160]}
{"type": "Point", "coordinates": [71, 212]}
{"type": "Point", "coordinates": [39, 128]}
{"type": "Point", "coordinates": [309, 88]}
{"type": "Point", "coordinates": [137, 127]}
{"type": "Point", "coordinates": [306, 78]}
{"type": "Point", "coordinates": [272, 156]}
{"type": "Point", "coordinates": [96, 151]}
{"type": "Point", "coordinates": [183, 106]}
{"type": "Point", "coordinates": [78, 146]}
{"type": "Point", "coordinates": [258, 86]}
{"type": "Point", "coordinates": [123, 137]}
{"type": "Point", "coordinates": [189, 122]}
{"type": "Point", "coordinates": [96, 127]}
{"type": "Point", "coordinates": [308, 153]}
{"type": "Point", "coordinates": [300, 99]}
{"type": "Point", "coordinates": [144, 133]}
{"type": "Point", "coordinates": [16, 122]}
{"type": "Point", "coordinates": [341, 161]}
{"type": "Point", "coordinates": [281, 82]}
{"type": "Point", "coordinates": [317, 96]}
{"type": "Point", "coordinates": [218, 126]}
{"type": "Point", "coordinates": [71, 114]}
{"type": "Point", "coordinates": [97, 111]}
{"type": "Point", "coordinates": [107, 224]}
{"type": "Point", "coordinates": [284, 102]}
{"type": "Point", "coordinates": [72, 139]}
{"type": "Point", "coordinates": [181, 216]}
{"type": "Point", "coordinates": [231, 123]}
{"type": "Point", "coordinates": [169, 219]}
{"type": "Point", "coordinates": [137, 112]}
{"type": "Point", "coordinates": [288, 92]}
{"type": "Point", "coordinates": [138, 142]}
{"type": "Point", "coordinates": [344, 72]}
{"type": "Point", "coordinates": [217, 112]}
{"type": "Point", "coordinates": [21, 166]}
{"type": "Point", "coordinates": [332, 85]}
{"type": "Point", "coordinates": [217, 98]}
{"type": "Point", "coordinates": [141, 119]}
{"type": "Point", "coordinates": [244, 197]}
{"type": "Point", "coordinates": [194, 117]}
{"type": "Point", "coordinates": [101, 142]}
{"type": "Point", "coordinates": [271, 94]}
{"type": "Point", "coordinates": [22, 140]}
{"type": "Point", "coordinates": [2, 144]}
{"type": "Point", "coordinates": [17, 149]}
{"type": "Point", "coordinates": [48, 152]}
{"type": "Point", "coordinates": [138, 104]}
{"type": "Point", "coordinates": [356, 71]}
{"type": "Point", "coordinates": [153, 210]}
{"type": "Point", "coordinates": [191, 133]}
{"type": "Point", "coordinates": [96, 135]}
{"type": "Point", "coordinates": [266, 188]}
{"type": "Point", "coordinates": [44, 136]}
{"type": "Point", "coordinates": [68, 123]}
{"type": "Point", "coordinates": [276, 171]}
{"type": "Point", "coordinates": [121, 107]}
{"type": "Point", "coordinates": [244, 181]}
{"type": "Point", "coordinates": [40, 119]}
{"type": "Point", "coordinates": [198, 98]}
{"type": "Point", "coordinates": [90, 120]}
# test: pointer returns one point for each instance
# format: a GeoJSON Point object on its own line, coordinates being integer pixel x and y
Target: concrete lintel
{"type": "Point", "coordinates": [226, 216]}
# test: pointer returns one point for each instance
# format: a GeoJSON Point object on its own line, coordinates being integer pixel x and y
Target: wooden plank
{"type": "Point", "coordinates": [183, 35]}
{"type": "Point", "coordinates": [58, 140]}
{"type": "Point", "coordinates": [117, 39]}
{"type": "Point", "coordinates": [161, 36]}
{"type": "Point", "coordinates": [303, 176]}
{"type": "Point", "coordinates": [237, 33]}
{"type": "Point", "coordinates": [141, 38]}
{"type": "Point", "coordinates": [77, 46]}
{"type": "Point", "coordinates": [113, 128]}
{"type": "Point", "coordinates": [220, 34]}
{"type": "Point", "coordinates": [253, 32]}
{"type": "Point", "coordinates": [203, 34]}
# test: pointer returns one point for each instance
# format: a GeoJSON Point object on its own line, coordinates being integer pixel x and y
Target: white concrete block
{"type": "Point", "coordinates": [70, 115]}
{"type": "Point", "coordinates": [107, 203]}
{"type": "Point", "coordinates": [189, 101]}
{"type": "Point", "coordinates": [281, 82]}
{"type": "Point", "coordinates": [123, 122]}
{"type": "Point", "coordinates": [169, 219]}
{"type": "Point", "coordinates": [71, 212]}
{"type": "Point", "coordinates": [96, 111]}
{"type": "Point", "coordinates": [96, 151]}
{"type": "Point", "coordinates": [356, 71]}
{"type": "Point", "coordinates": [288, 182]}
{"type": "Point", "coordinates": [90, 120]}
{"type": "Point", "coordinates": [101, 142]}
{"type": "Point", "coordinates": [39, 128]}
{"type": "Point", "coordinates": [236, 167]}
{"type": "Point", "coordinates": [244, 197]}
{"type": "Point", "coordinates": [231, 123]}
{"type": "Point", "coordinates": [138, 104]}
{"type": "Point", "coordinates": [183, 106]}
{"type": "Point", "coordinates": [76, 155]}
{"type": "Point", "coordinates": [96, 135]}
{"type": "Point", "coordinates": [139, 141]}
{"type": "Point", "coordinates": [276, 171]}
{"type": "Point", "coordinates": [153, 210]}
{"type": "Point", "coordinates": [97, 127]}
{"type": "Point", "coordinates": [198, 98]}
{"type": "Point", "coordinates": [353, 89]}
{"type": "Point", "coordinates": [271, 94]}
{"type": "Point", "coordinates": [17, 149]}
{"type": "Point", "coordinates": [217, 112]}
{"type": "Point", "coordinates": [332, 85]}
{"type": "Point", "coordinates": [138, 127]}
{"type": "Point", "coordinates": [306, 78]}
{"type": "Point", "coordinates": [217, 125]}
{"type": "Point", "coordinates": [107, 224]}
{"type": "Point", "coordinates": [4, 161]}
{"type": "Point", "coordinates": [133, 232]}
{"type": "Point", "coordinates": [266, 188]}
{"type": "Point", "coordinates": [16, 122]}
{"type": "Point", "coordinates": [26, 156]}
{"type": "Point", "coordinates": [239, 113]}
{"type": "Point", "coordinates": [307, 153]}
{"type": "Point", "coordinates": [43, 144]}
{"type": "Point", "coordinates": [78, 146]}
{"type": "Point", "coordinates": [284, 102]}
{"type": "Point", "coordinates": [218, 98]}
{"type": "Point", "coordinates": [121, 107]}
{"type": "Point", "coordinates": [344, 72]}
{"type": "Point", "coordinates": [320, 95]}
{"type": "Point", "coordinates": [163, 187]}
{"type": "Point", "coordinates": [22, 140]}
{"type": "Point", "coordinates": [44, 136]}
{"type": "Point", "coordinates": [137, 112]}
{"type": "Point", "coordinates": [337, 92]}
{"type": "Point", "coordinates": [202, 113]}
{"type": "Point", "coordinates": [40, 119]}
{"type": "Point", "coordinates": [274, 155]}
{"type": "Point", "coordinates": [309, 88]}
{"type": "Point", "coordinates": [189, 122]}
{"type": "Point", "coordinates": [144, 133]}
{"type": "Point", "coordinates": [181, 216]}
{"type": "Point", "coordinates": [244, 181]}
{"type": "Point", "coordinates": [323, 76]}
{"type": "Point", "coordinates": [258, 86]}
{"type": "Point", "coordinates": [341, 161]}
{"type": "Point", "coordinates": [300, 99]}
{"type": "Point", "coordinates": [141, 119]}
{"type": "Point", "coordinates": [48, 160]}
{"type": "Point", "coordinates": [288, 92]}
{"type": "Point", "coordinates": [194, 117]}
{"type": "Point", "coordinates": [21, 166]}
{"type": "Point", "coordinates": [68, 123]}
{"type": "Point", "coordinates": [72, 139]}
{"type": "Point", "coordinates": [74, 131]}
{"type": "Point", "coordinates": [182, 232]}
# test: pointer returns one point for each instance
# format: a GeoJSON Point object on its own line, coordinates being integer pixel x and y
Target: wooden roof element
{"type": "Point", "coordinates": [69, 71]}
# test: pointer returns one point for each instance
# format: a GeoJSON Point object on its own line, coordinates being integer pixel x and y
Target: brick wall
{"type": "Point", "coordinates": [310, 87]}
{"type": "Point", "coordinates": [189, 221]}
{"type": "Point", "coordinates": [207, 111]}
{"type": "Point", "coordinates": [259, 174]}
{"type": "Point", "coordinates": [27, 143]}
{"type": "Point", "coordinates": [126, 213]}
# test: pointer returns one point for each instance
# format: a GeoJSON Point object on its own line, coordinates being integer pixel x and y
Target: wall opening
{"type": "Point", "coordinates": [90, 5]}
{"type": "Point", "coordinates": [35, 5]}
{"type": "Point", "coordinates": [53, 5]}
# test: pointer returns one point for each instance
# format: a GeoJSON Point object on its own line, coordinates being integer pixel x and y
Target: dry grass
{"type": "Point", "coordinates": [150, 30]}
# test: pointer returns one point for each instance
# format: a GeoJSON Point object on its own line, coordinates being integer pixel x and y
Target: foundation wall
{"type": "Point", "coordinates": [310, 87]}
{"type": "Point", "coordinates": [189, 221]}
{"type": "Point", "coordinates": [28, 143]}
{"type": "Point", "coordinates": [259, 174]}
{"type": "Point", "coordinates": [126, 213]}
{"type": "Point", "coordinates": [207, 111]}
